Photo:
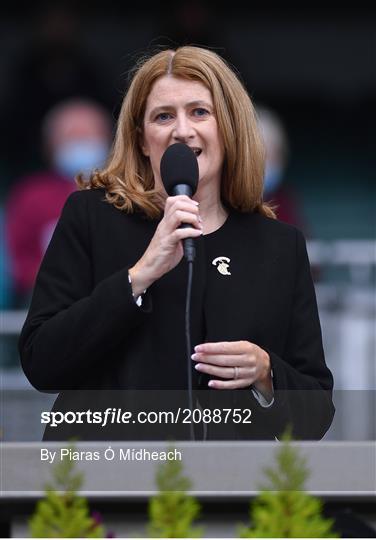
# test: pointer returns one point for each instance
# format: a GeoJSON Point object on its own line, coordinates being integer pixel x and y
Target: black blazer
{"type": "Point", "coordinates": [85, 337]}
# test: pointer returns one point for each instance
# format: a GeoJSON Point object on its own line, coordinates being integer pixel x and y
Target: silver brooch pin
{"type": "Point", "coordinates": [222, 265]}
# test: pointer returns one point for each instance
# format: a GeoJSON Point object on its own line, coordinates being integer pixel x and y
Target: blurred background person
{"type": "Point", "coordinates": [76, 137]}
{"type": "Point", "coordinates": [276, 190]}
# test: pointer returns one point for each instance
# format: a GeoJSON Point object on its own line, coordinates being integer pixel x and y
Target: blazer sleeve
{"type": "Point", "coordinates": [71, 324]}
{"type": "Point", "coordinates": [302, 382]}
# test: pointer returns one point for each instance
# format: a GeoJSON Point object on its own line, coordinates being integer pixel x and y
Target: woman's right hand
{"type": "Point", "coordinates": [166, 248]}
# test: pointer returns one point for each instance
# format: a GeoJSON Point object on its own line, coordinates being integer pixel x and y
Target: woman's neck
{"type": "Point", "coordinates": [212, 211]}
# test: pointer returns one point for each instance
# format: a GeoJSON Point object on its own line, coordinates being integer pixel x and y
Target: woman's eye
{"type": "Point", "coordinates": [163, 116]}
{"type": "Point", "coordinates": [200, 112]}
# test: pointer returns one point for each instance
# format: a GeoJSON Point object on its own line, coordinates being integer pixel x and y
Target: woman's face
{"type": "Point", "coordinates": [178, 110]}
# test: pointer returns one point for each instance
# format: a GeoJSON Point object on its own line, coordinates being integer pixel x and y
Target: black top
{"type": "Point", "coordinates": [84, 331]}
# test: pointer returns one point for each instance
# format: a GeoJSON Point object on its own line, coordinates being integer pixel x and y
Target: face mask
{"type": "Point", "coordinates": [80, 157]}
{"type": "Point", "coordinates": [273, 178]}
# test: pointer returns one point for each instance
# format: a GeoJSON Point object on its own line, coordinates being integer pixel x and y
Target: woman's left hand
{"type": "Point", "coordinates": [241, 363]}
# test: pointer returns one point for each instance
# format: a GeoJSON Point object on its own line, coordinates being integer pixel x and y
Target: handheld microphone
{"type": "Point", "coordinates": [179, 173]}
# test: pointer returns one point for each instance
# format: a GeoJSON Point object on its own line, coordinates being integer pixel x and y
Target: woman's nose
{"type": "Point", "coordinates": [183, 129]}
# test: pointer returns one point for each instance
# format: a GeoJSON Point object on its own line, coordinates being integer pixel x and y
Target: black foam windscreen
{"type": "Point", "coordinates": [179, 166]}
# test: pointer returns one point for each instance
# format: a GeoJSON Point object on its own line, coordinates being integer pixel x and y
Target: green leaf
{"type": "Point", "coordinates": [62, 513]}
{"type": "Point", "coordinates": [283, 509]}
{"type": "Point", "coordinates": [172, 512]}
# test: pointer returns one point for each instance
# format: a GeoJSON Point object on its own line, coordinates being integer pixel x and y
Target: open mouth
{"type": "Point", "coordinates": [197, 151]}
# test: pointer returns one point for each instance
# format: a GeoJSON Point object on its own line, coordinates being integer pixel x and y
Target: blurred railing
{"type": "Point", "coordinates": [12, 321]}
{"type": "Point", "coordinates": [348, 252]}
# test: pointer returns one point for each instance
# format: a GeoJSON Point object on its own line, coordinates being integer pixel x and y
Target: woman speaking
{"type": "Point", "coordinates": [107, 313]}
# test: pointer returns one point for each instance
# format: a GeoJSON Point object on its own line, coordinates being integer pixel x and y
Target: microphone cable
{"type": "Point", "coordinates": [189, 345]}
